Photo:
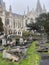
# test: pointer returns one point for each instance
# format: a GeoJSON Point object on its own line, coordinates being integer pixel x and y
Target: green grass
{"type": "Point", "coordinates": [32, 59]}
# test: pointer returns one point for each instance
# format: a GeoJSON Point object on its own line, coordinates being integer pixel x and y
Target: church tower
{"type": "Point", "coordinates": [10, 9]}
{"type": "Point", "coordinates": [44, 9]}
{"type": "Point", "coordinates": [38, 8]}
{"type": "Point", "coordinates": [27, 9]}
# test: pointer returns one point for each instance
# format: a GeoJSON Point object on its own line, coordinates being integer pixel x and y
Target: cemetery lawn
{"type": "Point", "coordinates": [32, 57]}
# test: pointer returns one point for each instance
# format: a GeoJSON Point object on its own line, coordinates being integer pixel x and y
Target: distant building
{"type": "Point", "coordinates": [16, 23]}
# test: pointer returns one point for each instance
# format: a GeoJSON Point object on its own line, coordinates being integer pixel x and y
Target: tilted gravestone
{"type": "Point", "coordinates": [3, 42]}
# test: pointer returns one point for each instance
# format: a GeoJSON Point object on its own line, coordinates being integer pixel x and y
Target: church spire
{"type": "Point", "coordinates": [27, 9]}
{"type": "Point", "coordinates": [4, 7]}
{"type": "Point", "coordinates": [10, 9]}
{"type": "Point", "coordinates": [38, 7]}
{"type": "Point", "coordinates": [24, 14]}
{"type": "Point", "coordinates": [44, 9]}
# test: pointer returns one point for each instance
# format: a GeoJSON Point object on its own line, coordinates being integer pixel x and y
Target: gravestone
{"type": "Point", "coordinates": [9, 56]}
{"type": "Point", "coordinates": [3, 41]}
{"type": "Point", "coordinates": [30, 38]}
{"type": "Point", "coordinates": [43, 38]}
{"type": "Point", "coordinates": [21, 41]}
{"type": "Point", "coordinates": [6, 55]}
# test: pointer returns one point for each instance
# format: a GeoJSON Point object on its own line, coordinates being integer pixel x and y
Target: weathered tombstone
{"type": "Point", "coordinates": [4, 54]}
{"type": "Point", "coordinates": [3, 41]}
{"type": "Point", "coordinates": [21, 41]}
{"type": "Point", "coordinates": [44, 38]}
{"type": "Point", "coordinates": [30, 38]}
{"type": "Point", "coordinates": [9, 56]}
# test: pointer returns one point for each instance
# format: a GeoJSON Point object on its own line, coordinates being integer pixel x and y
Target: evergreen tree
{"type": "Point", "coordinates": [1, 26]}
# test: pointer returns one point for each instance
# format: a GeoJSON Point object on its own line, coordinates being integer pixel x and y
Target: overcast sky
{"type": "Point", "coordinates": [19, 6]}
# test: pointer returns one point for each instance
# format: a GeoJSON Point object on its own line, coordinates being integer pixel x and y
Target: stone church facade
{"type": "Point", "coordinates": [15, 23]}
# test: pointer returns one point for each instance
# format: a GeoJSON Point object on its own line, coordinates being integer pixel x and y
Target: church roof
{"type": "Point", "coordinates": [18, 15]}
{"type": "Point", "coordinates": [14, 14]}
